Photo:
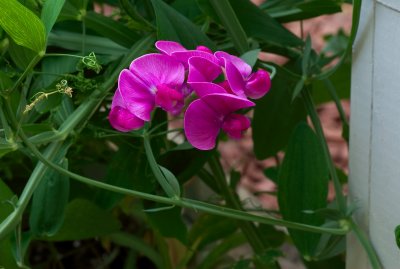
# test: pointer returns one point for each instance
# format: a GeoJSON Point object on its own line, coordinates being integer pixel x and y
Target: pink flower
{"type": "Point", "coordinates": [240, 78]}
{"type": "Point", "coordinates": [152, 80]}
{"type": "Point", "coordinates": [205, 117]}
{"type": "Point", "coordinates": [202, 64]}
{"type": "Point", "coordinates": [120, 117]}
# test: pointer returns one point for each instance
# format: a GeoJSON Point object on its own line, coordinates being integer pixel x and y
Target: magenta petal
{"type": "Point", "coordinates": [168, 47]}
{"type": "Point", "coordinates": [117, 99]}
{"type": "Point", "coordinates": [154, 69]}
{"type": "Point", "coordinates": [225, 103]}
{"type": "Point", "coordinates": [204, 48]}
{"type": "Point", "coordinates": [137, 97]}
{"type": "Point", "coordinates": [235, 124]}
{"type": "Point", "coordinates": [202, 125]}
{"type": "Point", "coordinates": [241, 65]}
{"type": "Point", "coordinates": [235, 79]}
{"type": "Point", "coordinates": [124, 121]}
{"type": "Point", "coordinates": [204, 88]}
{"type": "Point", "coordinates": [202, 70]}
{"type": "Point", "coordinates": [169, 99]}
{"type": "Point", "coordinates": [184, 56]}
{"type": "Point", "coordinates": [258, 84]}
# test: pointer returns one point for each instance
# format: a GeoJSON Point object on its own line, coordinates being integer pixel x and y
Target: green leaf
{"type": "Point", "coordinates": [6, 196]}
{"type": "Point", "coordinates": [5, 81]}
{"type": "Point", "coordinates": [210, 228]}
{"type": "Point", "coordinates": [303, 185]}
{"type": "Point", "coordinates": [111, 29]}
{"type": "Point", "coordinates": [20, 55]}
{"type": "Point", "coordinates": [171, 25]}
{"type": "Point", "coordinates": [22, 25]}
{"type": "Point", "coordinates": [341, 82]}
{"type": "Point", "coordinates": [294, 10]}
{"type": "Point", "coordinates": [169, 222]}
{"type": "Point", "coordinates": [397, 235]}
{"type": "Point", "coordinates": [73, 41]}
{"type": "Point", "coordinates": [242, 264]}
{"type": "Point", "coordinates": [51, 10]}
{"type": "Point", "coordinates": [6, 257]}
{"type": "Point", "coordinates": [172, 180]}
{"type": "Point", "coordinates": [251, 57]}
{"type": "Point", "coordinates": [276, 115]}
{"type": "Point", "coordinates": [259, 24]}
{"type": "Point", "coordinates": [184, 163]}
{"type": "Point", "coordinates": [49, 201]}
{"type": "Point", "coordinates": [215, 255]}
{"type": "Point", "coordinates": [231, 23]}
{"type": "Point", "coordinates": [128, 169]}
{"type": "Point", "coordinates": [83, 219]}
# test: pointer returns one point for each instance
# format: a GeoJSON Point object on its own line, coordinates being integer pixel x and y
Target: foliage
{"type": "Point", "coordinates": [71, 186]}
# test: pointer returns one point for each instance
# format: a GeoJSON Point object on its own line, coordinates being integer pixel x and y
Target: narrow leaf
{"type": "Point", "coordinates": [49, 202]}
{"type": "Point", "coordinates": [303, 185]}
{"type": "Point", "coordinates": [84, 219]}
{"type": "Point", "coordinates": [22, 25]}
{"type": "Point", "coordinates": [259, 24]}
{"type": "Point", "coordinates": [171, 25]}
{"type": "Point", "coordinates": [51, 10]}
{"type": "Point", "coordinates": [228, 18]}
{"type": "Point", "coordinates": [111, 29]}
{"type": "Point", "coordinates": [275, 115]}
{"type": "Point", "coordinates": [251, 57]}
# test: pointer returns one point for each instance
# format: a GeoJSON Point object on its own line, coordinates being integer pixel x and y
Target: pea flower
{"type": "Point", "coordinates": [201, 62]}
{"type": "Point", "coordinates": [120, 117]}
{"type": "Point", "coordinates": [205, 117]}
{"type": "Point", "coordinates": [152, 80]}
{"type": "Point", "coordinates": [241, 80]}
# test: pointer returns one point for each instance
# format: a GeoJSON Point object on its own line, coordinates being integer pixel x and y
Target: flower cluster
{"type": "Point", "coordinates": [167, 78]}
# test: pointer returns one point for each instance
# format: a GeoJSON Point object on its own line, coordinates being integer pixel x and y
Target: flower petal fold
{"type": "Point", "coordinates": [168, 47]}
{"type": "Point", "coordinates": [235, 79]}
{"type": "Point", "coordinates": [202, 70]}
{"type": "Point", "coordinates": [204, 88]}
{"type": "Point", "coordinates": [154, 69]}
{"type": "Point", "coordinates": [225, 103]}
{"type": "Point", "coordinates": [235, 124]}
{"type": "Point", "coordinates": [122, 120]}
{"type": "Point", "coordinates": [184, 56]}
{"type": "Point", "coordinates": [169, 99]}
{"type": "Point", "coordinates": [137, 97]}
{"type": "Point", "coordinates": [258, 84]}
{"type": "Point", "coordinates": [202, 125]}
{"type": "Point", "coordinates": [241, 65]}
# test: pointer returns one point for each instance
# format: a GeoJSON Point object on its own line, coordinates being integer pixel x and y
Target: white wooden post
{"type": "Point", "coordinates": [374, 182]}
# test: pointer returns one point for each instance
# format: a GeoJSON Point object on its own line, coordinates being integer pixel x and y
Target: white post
{"type": "Point", "coordinates": [374, 182]}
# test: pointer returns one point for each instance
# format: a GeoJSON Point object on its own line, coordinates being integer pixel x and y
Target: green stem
{"type": "Point", "coordinates": [312, 112]}
{"type": "Point", "coordinates": [332, 91]}
{"type": "Point", "coordinates": [9, 135]}
{"type": "Point", "coordinates": [366, 243]}
{"type": "Point", "coordinates": [231, 199]}
{"type": "Point", "coordinates": [13, 219]}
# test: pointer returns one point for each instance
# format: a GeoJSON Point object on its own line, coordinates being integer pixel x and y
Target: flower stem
{"type": "Point", "coordinates": [366, 243]}
{"type": "Point", "coordinates": [248, 228]}
{"type": "Point", "coordinates": [312, 112]}
{"type": "Point", "coordinates": [13, 219]}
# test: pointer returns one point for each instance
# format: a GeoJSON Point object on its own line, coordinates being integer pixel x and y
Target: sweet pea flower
{"type": "Point", "coordinates": [120, 117]}
{"type": "Point", "coordinates": [205, 117]}
{"type": "Point", "coordinates": [201, 62]}
{"type": "Point", "coordinates": [152, 80]}
{"type": "Point", "coordinates": [241, 80]}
